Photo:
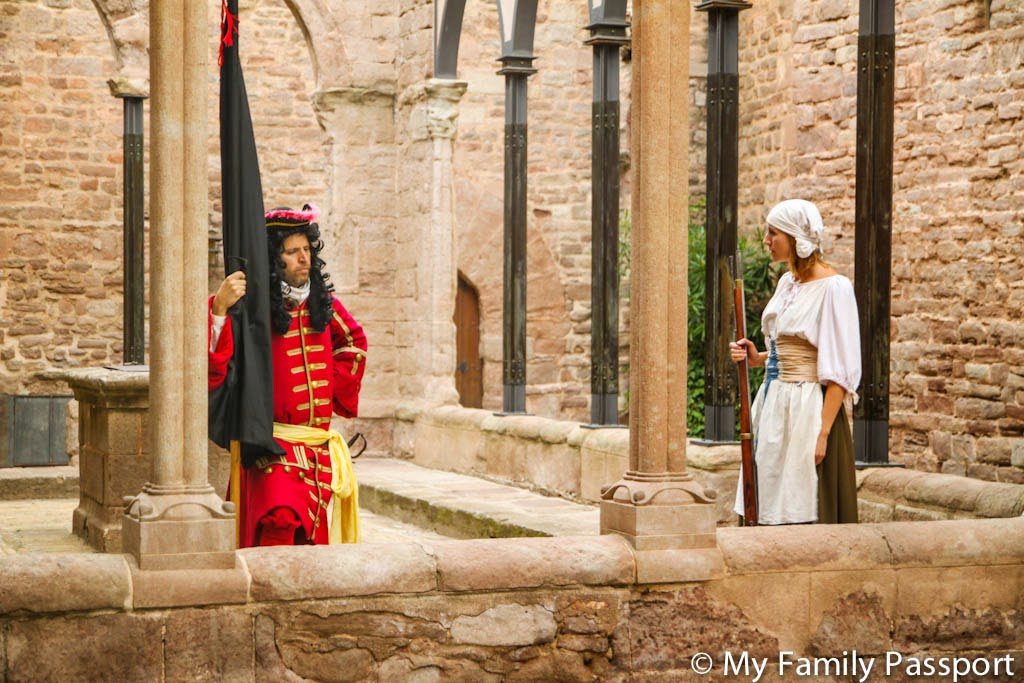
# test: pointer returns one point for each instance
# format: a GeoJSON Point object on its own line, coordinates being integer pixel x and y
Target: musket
{"type": "Point", "coordinates": [747, 467]}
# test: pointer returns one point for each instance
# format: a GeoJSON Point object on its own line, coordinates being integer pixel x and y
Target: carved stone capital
{"type": "Point", "coordinates": [435, 108]}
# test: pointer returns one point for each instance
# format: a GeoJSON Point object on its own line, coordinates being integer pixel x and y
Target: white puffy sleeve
{"type": "Point", "coordinates": [839, 337]}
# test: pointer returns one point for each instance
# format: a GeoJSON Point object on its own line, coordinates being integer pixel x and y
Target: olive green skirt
{"type": "Point", "coordinates": [837, 481]}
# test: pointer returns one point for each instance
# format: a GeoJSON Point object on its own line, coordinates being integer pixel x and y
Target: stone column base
{"type": "Point", "coordinates": [179, 530]}
{"type": "Point", "coordinates": [98, 525]}
{"type": "Point", "coordinates": [670, 524]}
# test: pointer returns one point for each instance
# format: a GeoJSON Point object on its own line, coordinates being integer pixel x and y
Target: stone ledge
{"type": "Point", "coordinates": [530, 427]}
{"type": "Point", "coordinates": [48, 583]}
{"type": "Point", "coordinates": [750, 550]}
{"type": "Point", "coordinates": [188, 587]}
{"type": "Point", "coordinates": [956, 542]}
{"type": "Point", "coordinates": [313, 572]}
{"type": "Point", "coordinates": [23, 483]}
{"type": "Point", "coordinates": [108, 387]}
{"type": "Point", "coordinates": [500, 564]}
{"type": "Point", "coordinates": [848, 547]}
{"type": "Point", "coordinates": [942, 495]}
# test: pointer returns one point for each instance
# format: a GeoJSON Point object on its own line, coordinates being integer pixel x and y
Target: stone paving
{"type": "Point", "coordinates": [399, 502]}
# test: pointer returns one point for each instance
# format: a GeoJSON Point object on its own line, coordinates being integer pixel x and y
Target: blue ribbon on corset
{"type": "Point", "coordinates": [771, 366]}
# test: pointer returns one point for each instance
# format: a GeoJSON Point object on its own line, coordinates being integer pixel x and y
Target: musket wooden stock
{"type": "Point", "coordinates": [747, 468]}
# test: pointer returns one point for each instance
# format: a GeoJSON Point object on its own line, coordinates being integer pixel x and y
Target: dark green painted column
{"type": "Point", "coordinates": [873, 248]}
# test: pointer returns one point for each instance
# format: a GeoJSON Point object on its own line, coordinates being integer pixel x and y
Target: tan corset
{"type": "Point", "coordinates": [798, 359]}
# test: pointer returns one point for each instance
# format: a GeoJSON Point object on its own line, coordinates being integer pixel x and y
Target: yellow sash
{"type": "Point", "coordinates": [343, 524]}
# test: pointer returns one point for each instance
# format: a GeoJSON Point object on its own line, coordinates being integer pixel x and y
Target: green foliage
{"type": "Point", "coordinates": [759, 278]}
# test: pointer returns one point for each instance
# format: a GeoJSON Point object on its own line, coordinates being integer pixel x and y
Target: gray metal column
{"type": "Point", "coordinates": [608, 32]}
{"type": "Point", "coordinates": [516, 70]}
{"type": "Point", "coordinates": [722, 175]}
{"type": "Point", "coordinates": [134, 234]}
{"type": "Point", "coordinates": [517, 20]}
{"type": "Point", "coordinates": [873, 246]}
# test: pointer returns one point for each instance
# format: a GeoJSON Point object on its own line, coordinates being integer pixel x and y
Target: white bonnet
{"type": "Point", "coordinates": [801, 219]}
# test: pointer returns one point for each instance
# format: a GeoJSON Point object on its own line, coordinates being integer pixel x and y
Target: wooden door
{"type": "Point", "coordinates": [469, 375]}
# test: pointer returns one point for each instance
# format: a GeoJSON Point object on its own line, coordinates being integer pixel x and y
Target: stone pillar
{"type": "Point", "coordinates": [113, 452]}
{"type": "Point", "coordinates": [432, 128]}
{"type": "Point", "coordinates": [358, 232]}
{"type": "Point", "coordinates": [178, 521]}
{"type": "Point", "coordinates": [657, 505]}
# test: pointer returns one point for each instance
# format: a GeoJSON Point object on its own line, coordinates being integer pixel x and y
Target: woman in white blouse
{"type": "Point", "coordinates": [803, 449]}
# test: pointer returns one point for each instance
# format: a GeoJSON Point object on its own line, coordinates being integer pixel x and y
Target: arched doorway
{"type": "Point", "coordinates": [469, 368]}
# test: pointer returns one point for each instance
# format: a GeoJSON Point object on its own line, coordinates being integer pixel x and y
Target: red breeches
{"type": "Point", "coordinates": [280, 526]}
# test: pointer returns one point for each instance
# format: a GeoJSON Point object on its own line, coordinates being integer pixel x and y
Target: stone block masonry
{"type": "Point", "coordinates": [460, 610]}
{"type": "Point", "coordinates": [957, 403]}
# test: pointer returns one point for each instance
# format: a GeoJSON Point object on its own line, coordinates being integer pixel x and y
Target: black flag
{"type": "Point", "coordinates": [242, 407]}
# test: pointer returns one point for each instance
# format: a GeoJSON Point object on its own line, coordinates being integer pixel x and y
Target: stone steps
{"type": "Point", "coordinates": [463, 506]}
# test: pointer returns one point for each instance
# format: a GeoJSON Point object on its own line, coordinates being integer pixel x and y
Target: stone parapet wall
{"type": "Point", "coordinates": [570, 460]}
{"type": "Point", "coordinates": [893, 494]}
{"type": "Point", "coordinates": [556, 457]}
{"type": "Point", "coordinates": [524, 609]}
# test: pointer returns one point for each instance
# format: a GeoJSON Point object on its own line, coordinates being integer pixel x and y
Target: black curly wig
{"type": "Point", "coordinates": [320, 287]}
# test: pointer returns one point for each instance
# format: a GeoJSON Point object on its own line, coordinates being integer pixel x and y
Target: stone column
{"type": "Point", "coordinates": [178, 521]}
{"type": "Point", "coordinates": [432, 128]}
{"type": "Point", "coordinates": [657, 505]}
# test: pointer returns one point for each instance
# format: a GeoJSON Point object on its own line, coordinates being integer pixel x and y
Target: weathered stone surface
{"type": "Point", "coordinates": [955, 542]}
{"type": "Point", "coordinates": [759, 597]}
{"type": "Point", "coordinates": [209, 645]}
{"type": "Point", "coordinates": [360, 569]}
{"type": "Point", "coordinates": [511, 625]}
{"type": "Point", "coordinates": [532, 562]}
{"type": "Point", "coordinates": [124, 647]}
{"type": "Point", "coordinates": [180, 587]}
{"type": "Point", "coordinates": [667, 628]}
{"type": "Point", "coordinates": [588, 613]}
{"type": "Point", "coordinates": [960, 629]}
{"type": "Point", "coordinates": [859, 621]}
{"type": "Point", "coordinates": [270, 667]}
{"type": "Point", "coordinates": [427, 670]}
{"type": "Point", "coordinates": [926, 591]}
{"type": "Point", "coordinates": [790, 548]}
{"type": "Point", "coordinates": [559, 666]}
{"type": "Point", "coordinates": [86, 582]}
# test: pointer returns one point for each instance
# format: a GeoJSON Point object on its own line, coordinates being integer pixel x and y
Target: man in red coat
{"type": "Point", "coordinates": [318, 354]}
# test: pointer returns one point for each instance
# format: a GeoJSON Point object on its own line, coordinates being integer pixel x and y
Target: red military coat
{"type": "Point", "coordinates": [315, 374]}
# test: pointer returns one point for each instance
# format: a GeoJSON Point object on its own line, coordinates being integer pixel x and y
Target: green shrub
{"type": "Point", "coordinates": [759, 278]}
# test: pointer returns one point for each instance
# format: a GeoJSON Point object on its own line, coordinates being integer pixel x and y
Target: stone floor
{"type": "Point", "coordinates": [400, 502]}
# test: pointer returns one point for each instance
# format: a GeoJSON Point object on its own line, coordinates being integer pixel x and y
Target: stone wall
{"type": "Point", "coordinates": [566, 609]}
{"type": "Point", "coordinates": [957, 338]}
{"type": "Point", "coordinates": [60, 246]}
{"type": "Point", "coordinates": [330, 87]}
{"type": "Point", "coordinates": [958, 241]}
{"type": "Point", "coordinates": [569, 460]}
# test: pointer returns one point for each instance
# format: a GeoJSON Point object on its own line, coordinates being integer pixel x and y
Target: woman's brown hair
{"type": "Point", "coordinates": [802, 267]}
